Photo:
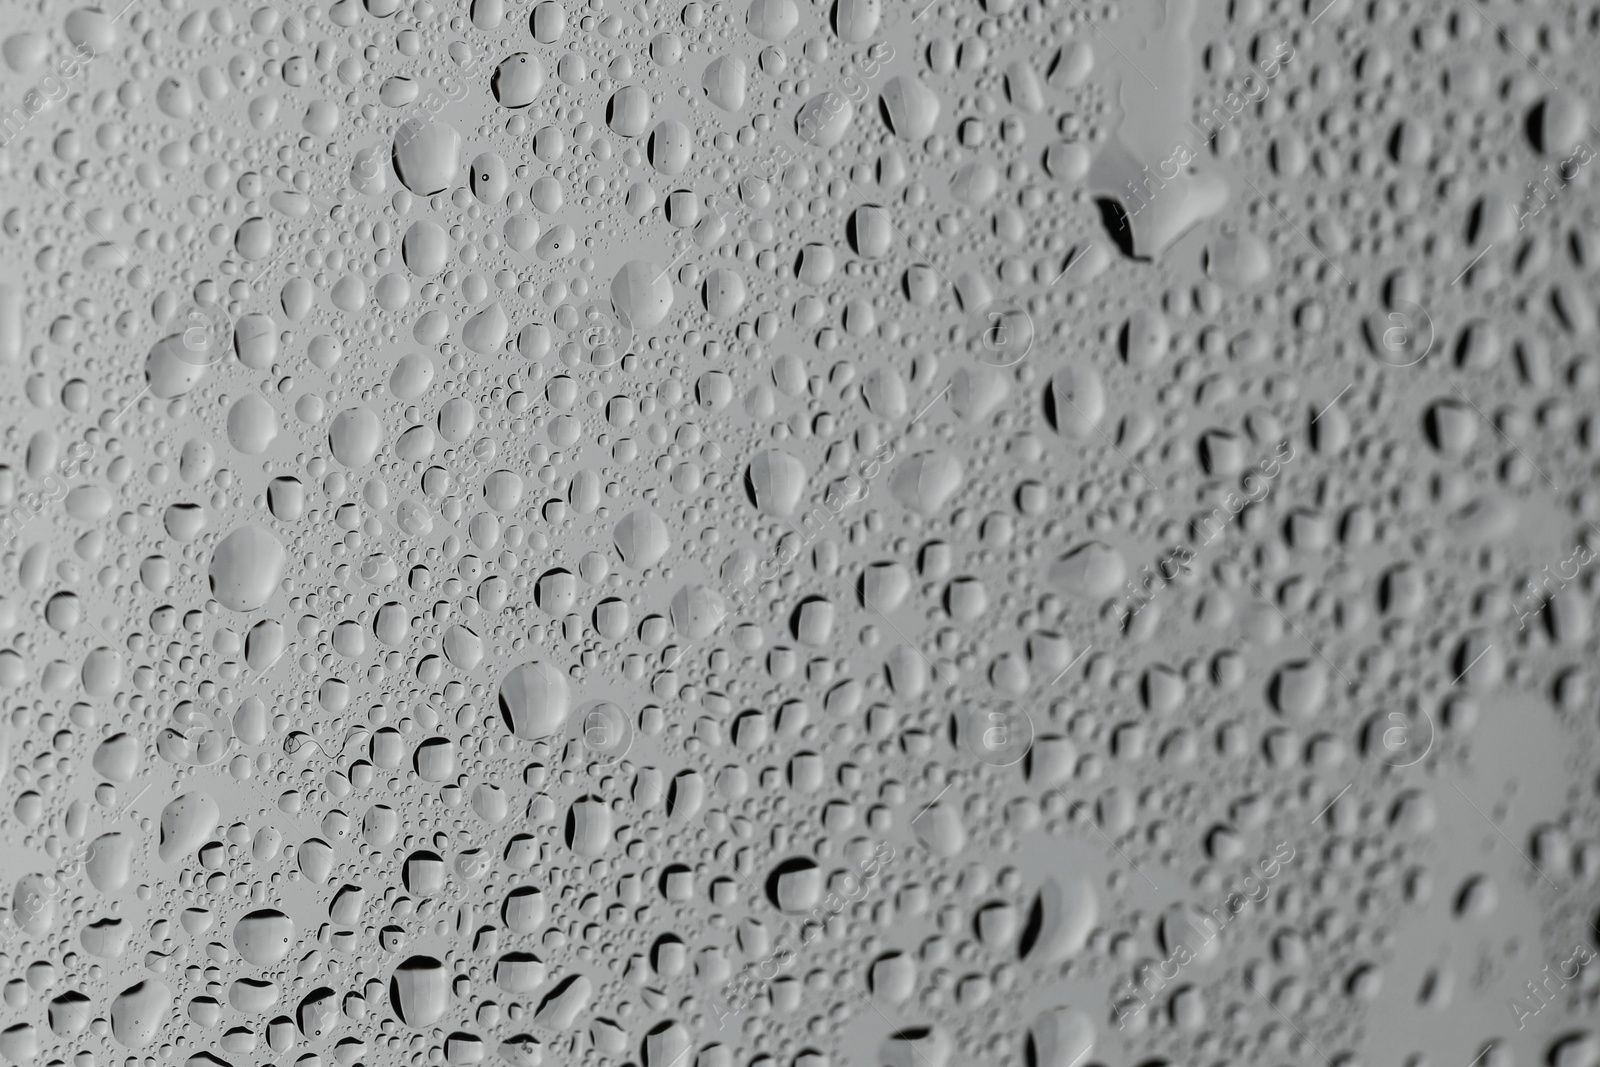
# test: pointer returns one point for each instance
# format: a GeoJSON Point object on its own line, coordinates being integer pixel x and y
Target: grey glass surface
{"type": "Point", "coordinates": [866, 534]}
